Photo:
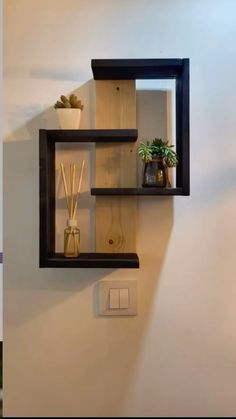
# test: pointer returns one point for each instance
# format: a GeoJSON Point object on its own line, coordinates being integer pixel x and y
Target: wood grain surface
{"type": "Point", "coordinates": [115, 167]}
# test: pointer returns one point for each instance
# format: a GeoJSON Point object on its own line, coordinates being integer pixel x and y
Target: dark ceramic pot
{"type": "Point", "coordinates": [155, 173]}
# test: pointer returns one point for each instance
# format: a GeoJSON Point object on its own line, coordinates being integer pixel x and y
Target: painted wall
{"type": "Point", "coordinates": [178, 356]}
{"type": "Point", "coordinates": [1, 130]}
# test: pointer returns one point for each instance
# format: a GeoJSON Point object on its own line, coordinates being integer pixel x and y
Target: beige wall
{"type": "Point", "coordinates": [178, 356]}
{"type": "Point", "coordinates": [1, 131]}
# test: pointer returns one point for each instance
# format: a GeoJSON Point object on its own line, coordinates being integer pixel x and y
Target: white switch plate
{"type": "Point", "coordinates": [104, 298]}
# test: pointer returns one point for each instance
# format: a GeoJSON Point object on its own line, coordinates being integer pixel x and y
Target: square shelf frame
{"type": "Point", "coordinates": [48, 257]}
{"type": "Point", "coordinates": [170, 68]}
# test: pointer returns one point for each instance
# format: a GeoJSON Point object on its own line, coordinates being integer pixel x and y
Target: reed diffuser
{"type": "Point", "coordinates": [72, 232]}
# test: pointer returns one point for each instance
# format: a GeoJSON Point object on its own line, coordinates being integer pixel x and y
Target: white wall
{"type": "Point", "coordinates": [1, 130]}
{"type": "Point", "coordinates": [178, 356]}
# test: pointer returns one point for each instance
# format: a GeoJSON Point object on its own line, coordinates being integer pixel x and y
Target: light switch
{"type": "Point", "coordinates": [114, 298]}
{"type": "Point", "coordinates": [118, 298]}
{"type": "Point", "coordinates": [124, 298]}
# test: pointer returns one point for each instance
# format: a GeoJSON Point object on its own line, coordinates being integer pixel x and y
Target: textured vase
{"type": "Point", "coordinates": [155, 173]}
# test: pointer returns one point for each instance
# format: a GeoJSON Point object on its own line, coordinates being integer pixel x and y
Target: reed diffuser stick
{"type": "Point", "coordinates": [73, 190]}
{"type": "Point", "coordinates": [65, 187]}
{"type": "Point", "coordinates": [71, 209]}
{"type": "Point", "coordinates": [72, 233]}
{"type": "Point", "coordinates": [79, 188]}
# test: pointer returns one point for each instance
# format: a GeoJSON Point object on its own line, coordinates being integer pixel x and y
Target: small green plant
{"type": "Point", "coordinates": [71, 102]}
{"type": "Point", "coordinates": [158, 148]}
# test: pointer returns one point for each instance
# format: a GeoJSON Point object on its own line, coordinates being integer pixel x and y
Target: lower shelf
{"type": "Point", "coordinates": [94, 260]}
{"type": "Point", "coordinates": [138, 191]}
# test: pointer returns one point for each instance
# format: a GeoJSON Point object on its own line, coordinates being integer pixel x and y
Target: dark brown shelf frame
{"type": "Point", "coordinates": [91, 135]}
{"type": "Point", "coordinates": [137, 68]}
{"type": "Point", "coordinates": [158, 68]}
{"type": "Point", "coordinates": [95, 260]}
{"type": "Point", "coordinates": [137, 191]}
{"type": "Point", "coordinates": [48, 257]}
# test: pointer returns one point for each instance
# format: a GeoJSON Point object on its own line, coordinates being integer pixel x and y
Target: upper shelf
{"type": "Point", "coordinates": [126, 69]}
{"type": "Point", "coordinates": [91, 135]}
{"type": "Point", "coordinates": [139, 191]}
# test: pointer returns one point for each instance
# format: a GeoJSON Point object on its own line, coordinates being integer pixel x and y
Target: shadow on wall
{"type": "Point", "coordinates": [21, 203]}
{"type": "Point", "coordinates": [33, 291]}
{"type": "Point", "coordinates": [155, 214]}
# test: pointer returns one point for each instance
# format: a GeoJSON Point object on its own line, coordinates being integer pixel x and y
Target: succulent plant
{"type": "Point", "coordinates": [145, 151]}
{"type": "Point", "coordinates": [158, 148]}
{"type": "Point", "coordinates": [71, 102]}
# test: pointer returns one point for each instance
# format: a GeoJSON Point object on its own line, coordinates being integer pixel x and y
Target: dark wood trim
{"type": "Point", "coordinates": [126, 69]}
{"type": "Point", "coordinates": [47, 197]}
{"type": "Point", "coordinates": [137, 191]}
{"type": "Point", "coordinates": [43, 198]}
{"type": "Point", "coordinates": [178, 123]}
{"type": "Point", "coordinates": [92, 135]}
{"type": "Point", "coordinates": [94, 260]}
{"type": "Point", "coordinates": [182, 129]}
{"type": "Point", "coordinates": [185, 128]}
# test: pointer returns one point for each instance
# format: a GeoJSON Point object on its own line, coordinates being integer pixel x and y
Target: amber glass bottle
{"type": "Point", "coordinates": [72, 239]}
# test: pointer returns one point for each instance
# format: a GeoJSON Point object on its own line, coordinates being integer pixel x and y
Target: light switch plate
{"type": "Point", "coordinates": [104, 298]}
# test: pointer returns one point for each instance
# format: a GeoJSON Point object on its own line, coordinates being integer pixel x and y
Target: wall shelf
{"type": "Point", "coordinates": [115, 85]}
{"type": "Point", "coordinates": [137, 191]}
{"type": "Point", "coordinates": [94, 260]}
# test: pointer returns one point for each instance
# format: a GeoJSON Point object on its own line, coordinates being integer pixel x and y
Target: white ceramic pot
{"type": "Point", "coordinates": [69, 118]}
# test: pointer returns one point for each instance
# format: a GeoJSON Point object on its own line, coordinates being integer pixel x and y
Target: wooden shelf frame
{"type": "Point", "coordinates": [117, 69]}
{"type": "Point", "coordinates": [47, 143]}
{"type": "Point", "coordinates": [170, 68]}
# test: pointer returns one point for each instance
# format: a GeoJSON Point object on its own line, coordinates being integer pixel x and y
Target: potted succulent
{"type": "Point", "coordinates": [157, 156]}
{"type": "Point", "coordinates": [69, 111]}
